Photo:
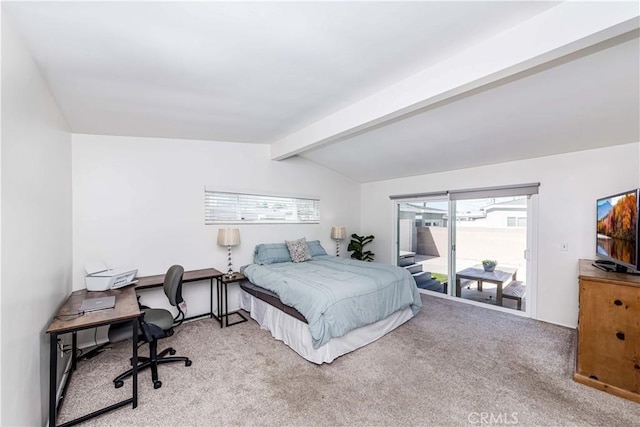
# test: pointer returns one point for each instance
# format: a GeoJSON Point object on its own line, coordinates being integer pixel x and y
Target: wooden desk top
{"type": "Point", "coordinates": [126, 308]}
{"type": "Point", "coordinates": [189, 276]}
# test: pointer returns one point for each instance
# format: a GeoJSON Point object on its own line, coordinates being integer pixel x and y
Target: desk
{"type": "Point", "coordinates": [148, 282]}
{"type": "Point", "coordinates": [125, 310]}
{"type": "Point", "coordinates": [499, 277]}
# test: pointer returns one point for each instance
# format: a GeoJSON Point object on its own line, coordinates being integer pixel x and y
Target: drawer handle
{"type": "Point", "coordinates": [617, 302]}
{"type": "Point", "coordinates": [620, 335]}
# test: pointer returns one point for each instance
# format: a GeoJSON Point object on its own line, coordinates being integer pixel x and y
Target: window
{"type": "Point", "coordinates": [225, 208]}
{"type": "Point", "coordinates": [513, 221]}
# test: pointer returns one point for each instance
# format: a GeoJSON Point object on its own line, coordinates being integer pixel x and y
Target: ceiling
{"type": "Point", "coordinates": [263, 72]}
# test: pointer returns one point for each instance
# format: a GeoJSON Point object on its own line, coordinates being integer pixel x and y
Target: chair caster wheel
{"type": "Point", "coordinates": [172, 352]}
{"type": "Point", "coordinates": [157, 384]}
{"type": "Point", "coordinates": [187, 363]}
{"type": "Point", "coordinates": [118, 384]}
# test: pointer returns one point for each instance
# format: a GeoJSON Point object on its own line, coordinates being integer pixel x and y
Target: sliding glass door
{"type": "Point", "coordinates": [490, 247]}
{"type": "Point", "coordinates": [473, 245]}
{"type": "Point", "coordinates": [423, 243]}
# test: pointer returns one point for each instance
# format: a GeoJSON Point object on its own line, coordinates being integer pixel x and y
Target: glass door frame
{"type": "Point", "coordinates": [530, 256]}
{"type": "Point", "coordinates": [531, 253]}
{"type": "Point", "coordinates": [439, 197]}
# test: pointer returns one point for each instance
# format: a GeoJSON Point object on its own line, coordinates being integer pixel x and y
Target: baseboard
{"type": "Point", "coordinates": [616, 391]}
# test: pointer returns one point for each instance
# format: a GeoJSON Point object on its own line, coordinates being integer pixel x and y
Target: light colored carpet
{"type": "Point", "coordinates": [453, 364]}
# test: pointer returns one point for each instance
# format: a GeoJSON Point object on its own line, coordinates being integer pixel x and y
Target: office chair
{"type": "Point", "coordinates": [155, 323]}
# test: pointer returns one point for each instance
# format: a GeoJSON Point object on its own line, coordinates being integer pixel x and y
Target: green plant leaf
{"type": "Point", "coordinates": [356, 246]}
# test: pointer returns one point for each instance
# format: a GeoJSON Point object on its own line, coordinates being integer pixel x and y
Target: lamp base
{"type": "Point", "coordinates": [229, 264]}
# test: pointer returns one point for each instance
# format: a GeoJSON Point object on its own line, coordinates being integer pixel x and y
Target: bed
{"type": "Point", "coordinates": [326, 306]}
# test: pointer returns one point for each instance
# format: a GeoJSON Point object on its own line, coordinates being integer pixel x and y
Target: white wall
{"type": "Point", "coordinates": [140, 202]}
{"type": "Point", "coordinates": [569, 186]}
{"type": "Point", "coordinates": [36, 230]}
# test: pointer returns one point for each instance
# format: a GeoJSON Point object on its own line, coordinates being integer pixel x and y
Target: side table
{"type": "Point", "coordinates": [223, 304]}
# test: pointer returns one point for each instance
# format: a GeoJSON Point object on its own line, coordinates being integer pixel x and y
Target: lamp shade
{"type": "Point", "coordinates": [338, 233]}
{"type": "Point", "coordinates": [228, 237]}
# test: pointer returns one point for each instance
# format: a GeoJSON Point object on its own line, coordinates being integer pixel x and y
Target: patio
{"type": "Point", "coordinates": [469, 289]}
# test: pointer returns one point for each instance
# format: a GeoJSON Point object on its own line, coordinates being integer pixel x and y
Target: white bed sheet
{"type": "Point", "coordinates": [296, 334]}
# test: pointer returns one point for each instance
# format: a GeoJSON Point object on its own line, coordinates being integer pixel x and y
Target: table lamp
{"type": "Point", "coordinates": [229, 237]}
{"type": "Point", "coordinates": [338, 233]}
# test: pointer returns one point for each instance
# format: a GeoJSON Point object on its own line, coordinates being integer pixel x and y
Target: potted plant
{"type": "Point", "coordinates": [489, 264]}
{"type": "Point", "coordinates": [356, 247]}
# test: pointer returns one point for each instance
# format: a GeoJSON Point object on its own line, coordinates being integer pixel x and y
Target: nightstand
{"type": "Point", "coordinates": [223, 304]}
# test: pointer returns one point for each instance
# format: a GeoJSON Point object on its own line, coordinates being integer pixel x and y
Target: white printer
{"type": "Point", "coordinates": [101, 278]}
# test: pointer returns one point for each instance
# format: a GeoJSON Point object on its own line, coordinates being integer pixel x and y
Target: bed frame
{"type": "Point", "coordinates": [271, 299]}
{"type": "Point", "coordinates": [289, 326]}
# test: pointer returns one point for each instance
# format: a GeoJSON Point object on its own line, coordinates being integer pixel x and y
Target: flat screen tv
{"type": "Point", "coordinates": [617, 240]}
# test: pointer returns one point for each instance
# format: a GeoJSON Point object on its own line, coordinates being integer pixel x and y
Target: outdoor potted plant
{"type": "Point", "coordinates": [489, 264]}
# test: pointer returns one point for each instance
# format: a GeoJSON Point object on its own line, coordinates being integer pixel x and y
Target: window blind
{"type": "Point", "coordinates": [504, 191]}
{"type": "Point", "coordinates": [225, 208]}
{"type": "Point", "coordinates": [418, 195]}
{"type": "Point", "coordinates": [476, 193]}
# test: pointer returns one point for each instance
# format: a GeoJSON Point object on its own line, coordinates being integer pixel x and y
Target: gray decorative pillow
{"type": "Point", "coordinates": [299, 250]}
{"type": "Point", "coordinates": [316, 248]}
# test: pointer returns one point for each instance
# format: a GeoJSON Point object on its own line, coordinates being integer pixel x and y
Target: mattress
{"type": "Point", "coordinates": [296, 335]}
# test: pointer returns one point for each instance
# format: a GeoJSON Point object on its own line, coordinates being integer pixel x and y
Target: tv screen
{"type": "Point", "coordinates": [617, 229]}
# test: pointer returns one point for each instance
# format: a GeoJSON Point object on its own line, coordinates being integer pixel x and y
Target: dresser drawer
{"type": "Point", "coordinates": [608, 339]}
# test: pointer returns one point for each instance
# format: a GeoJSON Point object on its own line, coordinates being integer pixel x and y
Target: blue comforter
{"type": "Point", "coordinates": [337, 295]}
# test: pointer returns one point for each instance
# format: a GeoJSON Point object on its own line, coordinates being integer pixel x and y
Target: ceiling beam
{"type": "Point", "coordinates": [558, 32]}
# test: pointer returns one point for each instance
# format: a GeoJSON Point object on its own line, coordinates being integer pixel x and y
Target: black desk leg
{"type": "Point", "coordinates": [53, 373]}
{"type": "Point", "coordinates": [211, 297]}
{"type": "Point", "coordinates": [221, 308]}
{"type": "Point", "coordinates": [226, 305]}
{"type": "Point", "coordinates": [218, 300]}
{"type": "Point", "coordinates": [134, 378]}
{"type": "Point", "coordinates": [74, 346]}
{"type": "Point", "coordinates": [74, 361]}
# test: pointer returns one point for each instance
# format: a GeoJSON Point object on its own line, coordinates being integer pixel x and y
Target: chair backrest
{"type": "Point", "coordinates": [173, 284]}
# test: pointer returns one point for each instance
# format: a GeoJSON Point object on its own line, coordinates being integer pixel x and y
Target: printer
{"type": "Point", "coordinates": [101, 278]}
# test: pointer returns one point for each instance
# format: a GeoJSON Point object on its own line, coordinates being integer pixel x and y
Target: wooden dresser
{"type": "Point", "coordinates": [608, 356]}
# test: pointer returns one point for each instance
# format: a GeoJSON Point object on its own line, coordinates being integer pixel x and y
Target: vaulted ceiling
{"type": "Point", "coordinates": [373, 90]}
